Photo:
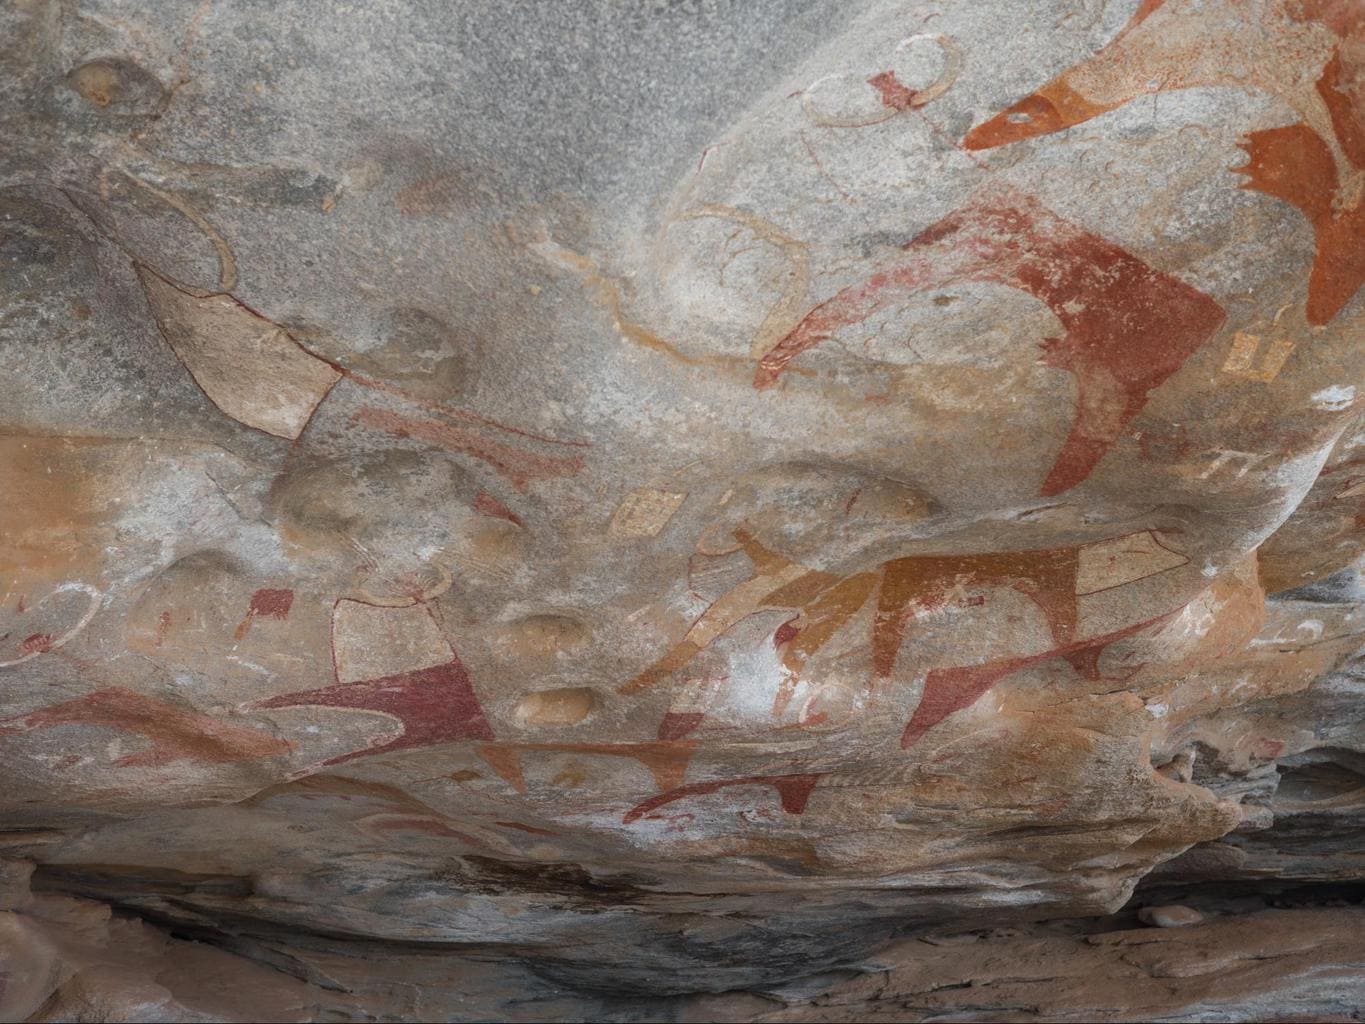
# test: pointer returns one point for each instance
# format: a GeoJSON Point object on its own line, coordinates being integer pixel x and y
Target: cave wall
{"type": "Point", "coordinates": [651, 510]}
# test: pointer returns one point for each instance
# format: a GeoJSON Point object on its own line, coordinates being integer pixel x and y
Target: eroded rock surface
{"type": "Point", "coordinates": [787, 511]}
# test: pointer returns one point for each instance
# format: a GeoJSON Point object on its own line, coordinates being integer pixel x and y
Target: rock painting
{"type": "Point", "coordinates": [792, 790]}
{"type": "Point", "coordinates": [947, 690]}
{"type": "Point", "coordinates": [516, 465]}
{"type": "Point", "coordinates": [1295, 164]}
{"type": "Point", "coordinates": [432, 705]}
{"type": "Point", "coordinates": [687, 708]}
{"type": "Point", "coordinates": [487, 505]}
{"type": "Point", "coordinates": [586, 560]}
{"type": "Point", "coordinates": [666, 761]}
{"type": "Point", "coordinates": [1128, 327]}
{"type": "Point", "coordinates": [395, 662]}
{"type": "Point", "coordinates": [1316, 165]}
{"type": "Point", "coordinates": [787, 310]}
{"type": "Point", "coordinates": [402, 811]}
{"type": "Point", "coordinates": [259, 374]}
{"type": "Point", "coordinates": [175, 733]}
{"type": "Point", "coordinates": [269, 602]}
{"type": "Point", "coordinates": [903, 588]}
{"type": "Point", "coordinates": [20, 645]}
{"type": "Point", "coordinates": [826, 101]}
{"type": "Point", "coordinates": [247, 365]}
{"type": "Point", "coordinates": [645, 512]}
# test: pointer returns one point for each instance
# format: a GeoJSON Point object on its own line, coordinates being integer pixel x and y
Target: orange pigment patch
{"type": "Point", "coordinates": [176, 733]}
{"type": "Point", "coordinates": [518, 466]}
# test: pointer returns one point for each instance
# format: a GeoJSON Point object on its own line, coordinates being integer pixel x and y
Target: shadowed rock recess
{"type": "Point", "coordinates": [682, 510]}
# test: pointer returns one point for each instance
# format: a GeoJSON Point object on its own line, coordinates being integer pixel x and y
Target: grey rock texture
{"type": "Point", "coordinates": [675, 510]}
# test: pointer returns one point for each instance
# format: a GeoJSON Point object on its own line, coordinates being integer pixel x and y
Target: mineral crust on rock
{"type": "Point", "coordinates": [793, 510]}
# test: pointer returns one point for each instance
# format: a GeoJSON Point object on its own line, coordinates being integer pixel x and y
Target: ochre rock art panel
{"type": "Point", "coordinates": [1128, 326]}
{"type": "Point", "coordinates": [397, 663]}
{"type": "Point", "coordinates": [951, 689]}
{"type": "Point", "coordinates": [901, 590]}
{"type": "Point", "coordinates": [666, 760]}
{"type": "Point", "coordinates": [1317, 165]}
{"type": "Point", "coordinates": [792, 790]}
{"type": "Point", "coordinates": [249, 367]}
{"type": "Point", "coordinates": [598, 511]}
{"type": "Point", "coordinates": [174, 733]}
{"type": "Point", "coordinates": [432, 705]}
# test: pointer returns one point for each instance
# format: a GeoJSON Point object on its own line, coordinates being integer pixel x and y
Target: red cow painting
{"type": "Point", "coordinates": [1127, 327]}
{"type": "Point", "coordinates": [1316, 165]}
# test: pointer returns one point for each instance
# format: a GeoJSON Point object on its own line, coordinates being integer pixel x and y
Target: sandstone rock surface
{"type": "Point", "coordinates": [790, 510]}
